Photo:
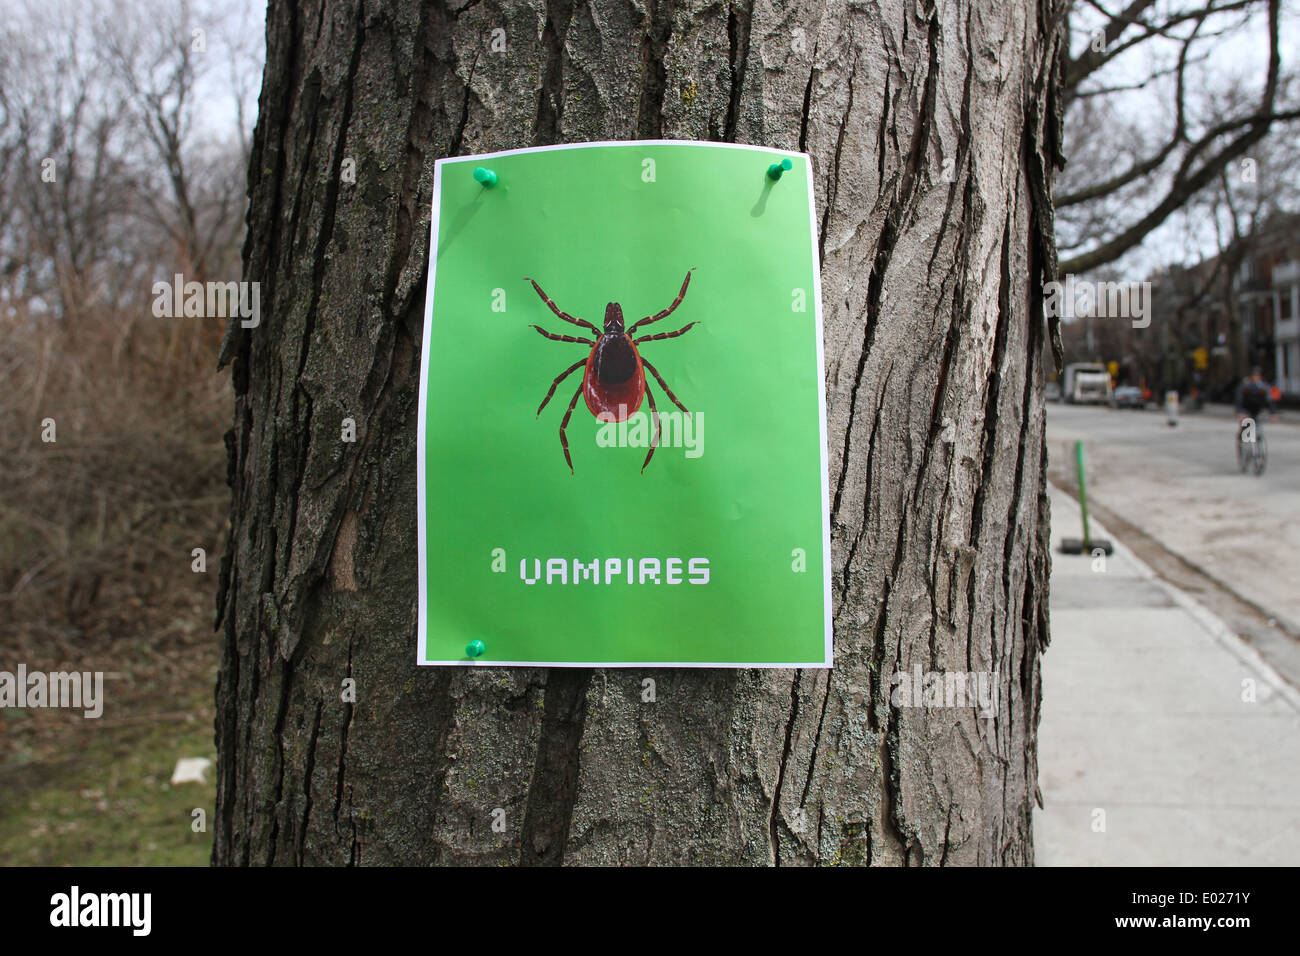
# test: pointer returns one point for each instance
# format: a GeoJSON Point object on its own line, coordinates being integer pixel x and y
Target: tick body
{"type": "Point", "coordinates": [613, 377]}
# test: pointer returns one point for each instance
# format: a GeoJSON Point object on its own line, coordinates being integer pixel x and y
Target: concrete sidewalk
{"type": "Point", "coordinates": [1143, 719]}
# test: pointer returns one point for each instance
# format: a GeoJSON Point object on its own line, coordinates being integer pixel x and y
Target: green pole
{"type": "Point", "coordinates": [1083, 496]}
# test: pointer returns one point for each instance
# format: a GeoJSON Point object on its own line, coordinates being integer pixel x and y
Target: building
{"type": "Point", "coordinates": [1285, 278]}
{"type": "Point", "coordinates": [1263, 326]}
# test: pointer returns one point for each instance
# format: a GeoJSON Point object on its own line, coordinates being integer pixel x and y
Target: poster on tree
{"type": "Point", "coordinates": [622, 424]}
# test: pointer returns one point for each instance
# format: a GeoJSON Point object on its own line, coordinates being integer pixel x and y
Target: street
{"type": "Point", "coordinates": [1180, 486]}
{"type": "Point", "coordinates": [1170, 704]}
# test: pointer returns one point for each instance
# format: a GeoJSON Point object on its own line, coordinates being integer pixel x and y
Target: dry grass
{"type": "Point", "coordinates": [98, 526]}
{"type": "Point", "coordinates": [96, 534]}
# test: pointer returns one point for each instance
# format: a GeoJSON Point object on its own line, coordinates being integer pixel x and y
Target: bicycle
{"type": "Point", "coordinates": [1252, 453]}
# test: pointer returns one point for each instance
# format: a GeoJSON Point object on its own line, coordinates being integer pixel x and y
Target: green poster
{"type": "Point", "coordinates": [660, 301]}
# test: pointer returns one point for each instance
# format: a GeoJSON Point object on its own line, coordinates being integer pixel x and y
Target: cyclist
{"type": "Point", "coordinates": [1253, 396]}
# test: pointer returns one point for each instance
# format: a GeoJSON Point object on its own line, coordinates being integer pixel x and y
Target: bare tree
{"type": "Point", "coordinates": [1107, 209]}
{"type": "Point", "coordinates": [161, 53]}
{"type": "Point", "coordinates": [112, 177]}
{"type": "Point", "coordinates": [64, 170]}
{"type": "Point", "coordinates": [89, 220]}
{"type": "Point", "coordinates": [931, 287]}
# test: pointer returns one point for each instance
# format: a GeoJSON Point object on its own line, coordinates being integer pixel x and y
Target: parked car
{"type": "Point", "coordinates": [1053, 391]}
{"type": "Point", "coordinates": [1128, 396]}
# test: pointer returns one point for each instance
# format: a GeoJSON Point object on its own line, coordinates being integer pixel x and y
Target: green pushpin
{"type": "Point", "coordinates": [475, 649]}
{"type": "Point", "coordinates": [486, 177]}
{"type": "Point", "coordinates": [776, 169]}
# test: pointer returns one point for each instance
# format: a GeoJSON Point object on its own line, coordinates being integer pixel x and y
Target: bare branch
{"type": "Point", "coordinates": [1190, 176]}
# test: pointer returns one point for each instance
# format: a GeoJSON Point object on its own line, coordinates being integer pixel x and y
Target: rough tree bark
{"type": "Point", "coordinates": [934, 139]}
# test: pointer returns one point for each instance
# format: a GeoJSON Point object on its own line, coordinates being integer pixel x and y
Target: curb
{"type": "Point", "coordinates": [1285, 621]}
{"type": "Point", "coordinates": [1209, 622]}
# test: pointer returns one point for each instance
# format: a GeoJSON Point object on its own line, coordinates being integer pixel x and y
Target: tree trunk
{"type": "Point", "coordinates": [933, 143]}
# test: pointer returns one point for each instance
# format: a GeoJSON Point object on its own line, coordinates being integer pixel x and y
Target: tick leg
{"type": "Point", "coordinates": [654, 415]}
{"type": "Point", "coordinates": [561, 338]}
{"type": "Point", "coordinates": [664, 335]}
{"type": "Point", "coordinates": [558, 379]}
{"type": "Point", "coordinates": [564, 315]}
{"type": "Point", "coordinates": [676, 302]}
{"type": "Point", "coordinates": [664, 385]}
{"type": "Point", "coordinates": [564, 440]}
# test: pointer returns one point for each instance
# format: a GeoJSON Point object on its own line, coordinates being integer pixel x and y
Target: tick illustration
{"type": "Point", "coordinates": [613, 378]}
